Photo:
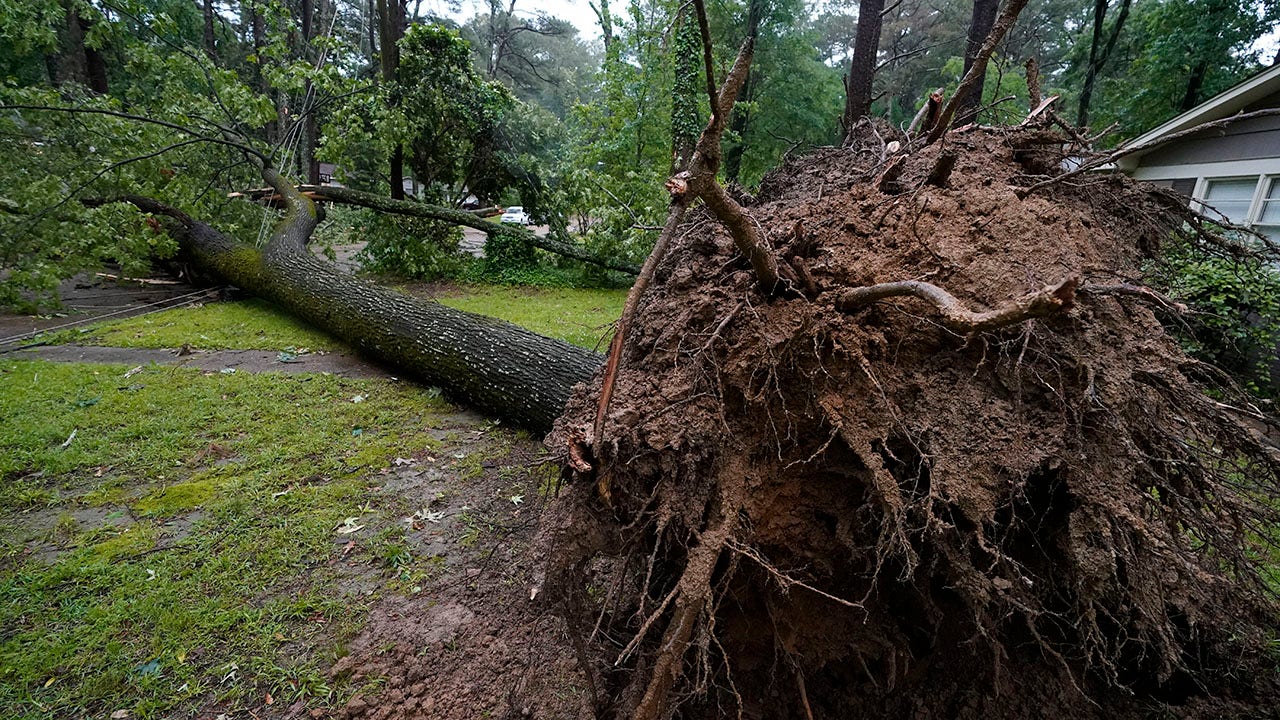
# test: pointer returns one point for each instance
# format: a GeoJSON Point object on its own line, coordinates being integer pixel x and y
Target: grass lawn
{"type": "Point", "coordinates": [242, 325]}
{"type": "Point", "coordinates": [581, 317]}
{"type": "Point", "coordinates": [167, 539]}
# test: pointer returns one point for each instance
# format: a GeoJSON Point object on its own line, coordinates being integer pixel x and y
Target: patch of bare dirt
{"type": "Point", "coordinates": [799, 511]}
{"type": "Point", "coordinates": [473, 639]}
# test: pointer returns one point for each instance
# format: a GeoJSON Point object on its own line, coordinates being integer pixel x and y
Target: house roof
{"type": "Point", "coordinates": [1224, 104]}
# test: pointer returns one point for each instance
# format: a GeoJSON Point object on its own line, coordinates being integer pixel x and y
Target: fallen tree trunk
{"type": "Point", "coordinates": [489, 364]}
{"type": "Point", "coordinates": [466, 219]}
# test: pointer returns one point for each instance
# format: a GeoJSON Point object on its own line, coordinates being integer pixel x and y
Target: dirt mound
{"type": "Point", "coordinates": [805, 508]}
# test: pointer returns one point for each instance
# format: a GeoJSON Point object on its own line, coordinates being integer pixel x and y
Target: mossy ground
{"type": "Point", "coordinates": [176, 541]}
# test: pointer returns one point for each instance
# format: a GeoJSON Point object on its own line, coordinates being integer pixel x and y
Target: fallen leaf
{"type": "Point", "coordinates": [119, 715]}
{"type": "Point", "coordinates": [349, 526]}
{"type": "Point", "coordinates": [403, 461]}
{"type": "Point", "coordinates": [270, 700]}
{"type": "Point", "coordinates": [517, 499]}
{"type": "Point", "coordinates": [181, 656]}
{"type": "Point", "coordinates": [133, 371]}
{"type": "Point", "coordinates": [50, 681]}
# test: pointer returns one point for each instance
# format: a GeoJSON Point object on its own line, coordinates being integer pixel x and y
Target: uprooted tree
{"type": "Point", "coordinates": [902, 435]}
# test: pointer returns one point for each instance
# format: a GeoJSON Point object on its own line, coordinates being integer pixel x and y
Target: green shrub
{"type": "Point", "coordinates": [408, 246]}
{"type": "Point", "coordinates": [1236, 323]}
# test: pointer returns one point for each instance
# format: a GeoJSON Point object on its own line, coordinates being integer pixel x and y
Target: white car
{"type": "Point", "coordinates": [516, 216]}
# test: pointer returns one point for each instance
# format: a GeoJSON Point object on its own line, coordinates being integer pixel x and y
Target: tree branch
{"type": "Point", "coordinates": [958, 318]}
{"type": "Point", "coordinates": [139, 118]}
{"type": "Point", "coordinates": [465, 219]}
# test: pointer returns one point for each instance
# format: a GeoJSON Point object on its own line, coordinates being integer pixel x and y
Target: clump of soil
{"type": "Point", "coordinates": [800, 512]}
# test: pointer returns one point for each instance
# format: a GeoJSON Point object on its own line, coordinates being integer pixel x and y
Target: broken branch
{"type": "Point", "coordinates": [979, 68]}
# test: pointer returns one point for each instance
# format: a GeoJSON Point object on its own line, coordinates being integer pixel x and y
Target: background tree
{"type": "Point", "coordinates": [862, 66]}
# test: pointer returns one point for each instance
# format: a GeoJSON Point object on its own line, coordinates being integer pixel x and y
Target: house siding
{"type": "Point", "coordinates": [1246, 140]}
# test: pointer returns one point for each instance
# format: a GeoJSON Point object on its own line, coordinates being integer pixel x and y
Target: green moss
{"type": "Point", "coordinates": [582, 317]}
{"type": "Point", "coordinates": [131, 541]}
{"type": "Point", "coordinates": [177, 498]}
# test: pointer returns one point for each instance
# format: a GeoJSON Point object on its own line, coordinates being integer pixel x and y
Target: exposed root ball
{"type": "Point", "coordinates": [824, 511]}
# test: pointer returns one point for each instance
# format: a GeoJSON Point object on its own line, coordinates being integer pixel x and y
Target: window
{"type": "Point", "coordinates": [1250, 201]}
{"type": "Point", "coordinates": [1268, 222]}
{"type": "Point", "coordinates": [1231, 197]}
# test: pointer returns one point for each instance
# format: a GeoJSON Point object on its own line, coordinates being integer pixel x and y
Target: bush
{"type": "Point", "coordinates": [408, 246]}
{"type": "Point", "coordinates": [1236, 326]}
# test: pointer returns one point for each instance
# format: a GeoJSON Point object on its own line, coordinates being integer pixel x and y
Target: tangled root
{"type": "Point", "coordinates": [819, 509]}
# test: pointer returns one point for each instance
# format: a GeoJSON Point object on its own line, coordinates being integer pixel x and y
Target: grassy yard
{"type": "Point", "coordinates": [581, 317]}
{"type": "Point", "coordinates": [174, 540]}
{"type": "Point", "coordinates": [176, 518]}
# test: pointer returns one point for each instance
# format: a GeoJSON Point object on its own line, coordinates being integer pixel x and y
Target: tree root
{"type": "Point", "coordinates": [958, 318]}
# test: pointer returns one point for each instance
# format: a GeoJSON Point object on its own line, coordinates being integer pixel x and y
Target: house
{"type": "Point", "coordinates": [1235, 170]}
{"type": "Point", "coordinates": [328, 170]}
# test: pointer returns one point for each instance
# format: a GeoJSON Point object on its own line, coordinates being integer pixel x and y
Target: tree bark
{"type": "Point", "coordinates": [862, 67]}
{"type": "Point", "coordinates": [984, 17]}
{"type": "Point", "coordinates": [488, 364]}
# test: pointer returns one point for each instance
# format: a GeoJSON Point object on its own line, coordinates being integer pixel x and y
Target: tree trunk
{"type": "Point", "coordinates": [741, 118]}
{"type": "Point", "coordinates": [488, 364]}
{"type": "Point", "coordinates": [1099, 53]}
{"type": "Point", "coordinates": [984, 17]}
{"type": "Point", "coordinates": [1194, 82]}
{"type": "Point", "coordinates": [685, 125]}
{"type": "Point", "coordinates": [311, 135]}
{"type": "Point", "coordinates": [210, 48]}
{"type": "Point", "coordinates": [862, 68]}
{"type": "Point", "coordinates": [390, 30]}
{"type": "Point", "coordinates": [71, 58]}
